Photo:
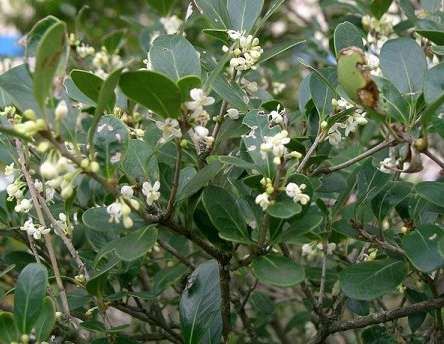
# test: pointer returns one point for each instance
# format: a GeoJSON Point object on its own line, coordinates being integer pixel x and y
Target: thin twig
{"type": "Point", "coordinates": [317, 141]}
{"type": "Point", "coordinates": [435, 158]}
{"type": "Point", "coordinates": [175, 183]}
{"type": "Point", "coordinates": [47, 237]}
{"type": "Point", "coordinates": [225, 278]}
{"type": "Point", "coordinates": [371, 151]}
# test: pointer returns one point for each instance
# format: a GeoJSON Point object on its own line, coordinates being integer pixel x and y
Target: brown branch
{"type": "Point", "coordinates": [224, 273]}
{"type": "Point", "coordinates": [366, 154]}
{"type": "Point", "coordinates": [310, 152]}
{"type": "Point", "coordinates": [434, 158]}
{"type": "Point", "coordinates": [378, 318]}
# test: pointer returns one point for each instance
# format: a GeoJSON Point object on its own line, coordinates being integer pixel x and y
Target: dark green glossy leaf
{"type": "Point", "coordinates": [152, 90]}
{"type": "Point", "coordinates": [88, 83]}
{"type": "Point", "coordinates": [379, 7]}
{"type": "Point", "coordinates": [8, 328]}
{"type": "Point", "coordinates": [30, 291]}
{"type": "Point", "coordinates": [431, 191]}
{"type": "Point", "coordinates": [225, 214]}
{"type": "Point", "coordinates": [421, 247]}
{"type": "Point", "coordinates": [390, 197]}
{"type": "Point", "coordinates": [321, 93]}
{"type": "Point", "coordinates": [370, 280]}
{"type": "Point", "coordinates": [278, 271]}
{"type": "Point", "coordinates": [216, 12]}
{"type": "Point", "coordinates": [141, 162]}
{"type": "Point", "coordinates": [200, 305]}
{"type": "Point", "coordinates": [46, 320]}
{"type": "Point", "coordinates": [434, 85]}
{"type": "Point", "coordinates": [50, 50]}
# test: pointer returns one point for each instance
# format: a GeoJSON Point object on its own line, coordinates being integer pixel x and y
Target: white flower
{"type": "Point", "coordinates": [114, 211]}
{"type": "Point", "coordinates": [151, 191]}
{"type": "Point", "coordinates": [200, 99]}
{"type": "Point", "coordinates": [234, 35]}
{"type": "Point", "coordinates": [201, 138]}
{"type": "Point", "coordinates": [353, 121]}
{"type": "Point", "coordinates": [331, 246]}
{"type": "Point", "coordinates": [296, 193]}
{"type": "Point", "coordinates": [307, 250]}
{"type": "Point", "coordinates": [49, 193]}
{"type": "Point", "coordinates": [171, 24]}
{"type": "Point", "coordinates": [14, 190]}
{"type": "Point", "coordinates": [334, 135]}
{"type": "Point", "coordinates": [388, 165]}
{"type": "Point", "coordinates": [28, 226]}
{"type": "Point", "coordinates": [49, 170]}
{"type": "Point", "coordinates": [61, 110]}
{"type": "Point", "coordinates": [276, 116]}
{"type": "Point", "coordinates": [200, 117]}
{"type": "Point", "coordinates": [170, 129]}
{"type": "Point", "coordinates": [127, 191]}
{"type": "Point", "coordinates": [278, 87]}
{"type": "Point", "coordinates": [275, 144]}
{"type": "Point", "coordinates": [39, 231]}
{"type": "Point", "coordinates": [233, 113]}
{"type": "Point", "coordinates": [24, 206]}
{"type": "Point", "coordinates": [263, 200]}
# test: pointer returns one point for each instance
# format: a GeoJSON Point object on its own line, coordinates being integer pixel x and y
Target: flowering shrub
{"type": "Point", "coordinates": [168, 189]}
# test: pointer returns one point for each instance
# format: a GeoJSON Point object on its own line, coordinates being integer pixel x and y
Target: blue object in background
{"type": "Point", "coordinates": [9, 46]}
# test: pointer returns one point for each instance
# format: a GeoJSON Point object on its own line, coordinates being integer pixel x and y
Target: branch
{"type": "Point", "coordinates": [378, 318]}
{"type": "Point", "coordinates": [145, 317]}
{"type": "Point", "coordinates": [310, 152]}
{"type": "Point", "coordinates": [371, 151]}
{"type": "Point", "coordinates": [47, 237]}
{"type": "Point", "coordinates": [175, 183]}
{"type": "Point", "coordinates": [434, 158]}
{"type": "Point", "coordinates": [225, 278]}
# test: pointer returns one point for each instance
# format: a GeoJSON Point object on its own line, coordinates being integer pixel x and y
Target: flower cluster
{"type": "Point", "coordinates": [245, 52]}
{"type": "Point", "coordinates": [121, 209]}
{"type": "Point", "coordinates": [36, 231]}
{"type": "Point", "coordinates": [104, 62]}
{"type": "Point", "coordinates": [170, 129]}
{"type": "Point", "coordinates": [15, 190]}
{"type": "Point", "coordinates": [351, 124]}
{"type": "Point", "coordinates": [275, 145]}
{"type": "Point", "coordinates": [296, 192]}
{"type": "Point", "coordinates": [312, 250]}
{"type": "Point", "coordinates": [264, 199]}
{"type": "Point", "coordinates": [196, 106]}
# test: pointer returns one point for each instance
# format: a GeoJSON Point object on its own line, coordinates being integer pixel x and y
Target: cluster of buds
{"type": "Point", "coordinates": [15, 191]}
{"type": "Point", "coordinates": [378, 27]}
{"type": "Point", "coordinates": [31, 126]}
{"type": "Point", "coordinates": [120, 208]}
{"type": "Point", "coordinates": [245, 52]}
{"type": "Point", "coordinates": [264, 199]}
{"type": "Point", "coordinates": [83, 50]}
{"type": "Point", "coordinates": [35, 231]}
{"type": "Point", "coordinates": [59, 173]}
{"type": "Point", "coordinates": [104, 62]}
{"type": "Point", "coordinates": [296, 192]}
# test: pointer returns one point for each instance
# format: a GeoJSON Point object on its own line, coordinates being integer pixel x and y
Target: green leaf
{"type": "Point", "coordinates": [225, 215]}
{"type": "Point", "coordinates": [277, 271]}
{"type": "Point", "coordinates": [431, 191]}
{"type": "Point", "coordinates": [379, 7]}
{"type": "Point", "coordinates": [321, 93]}
{"type": "Point", "coordinates": [403, 62]}
{"type": "Point", "coordinates": [174, 56]}
{"type": "Point", "coordinates": [8, 328]}
{"type": "Point", "coordinates": [107, 96]}
{"type": "Point", "coordinates": [347, 35]}
{"type": "Point", "coordinates": [141, 162]}
{"type": "Point", "coordinates": [46, 320]}
{"type": "Point", "coordinates": [434, 85]}
{"type": "Point", "coordinates": [30, 291]}
{"type": "Point", "coordinates": [97, 283]}
{"type": "Point", "coordinates": [235, 161]}
{"type": "Point", "coordinates": [299, 225]}
{"type": "Point", "coordinates": [38, 31]}
{"type": "Point", "coordinates": [216, 12]}
{"type": "Point", "coordinates": [274, 6]}
{"type": "Point", "coordinates": [377, 335]}
{"type": "Point", "coordinates": [391, 102]}
{"type": "Point", "coordinates": [75, 93]}
{"type": "Point", "coordinates": [284, 207]}
{"type": "Point", "coordinates": [393, 194]}
{"type": "Point", "coordinates": [162, 6]}
{"type": "Point", "coordinates": [432, 30]}
{"type": "Point", "coordinates": [230, 92]}
{"type": "Point", "coordinates": [244, 13]}
{"type": "Point", "coordinates": [202, 178]}
{"type": "Point", "coordinates": [258, 123]}
{"type": "Point", "coordinates": [16, 84]}
{"type": "Point", "coordinates": [132, 246]}
{"type": "Point", "coordinates": [111, 141]}
{"type": "Point", "coordinates": [421, 247]}
{"type": "Point", "coordinates": [278, 49]}
{"type": "Point", "coordinates": [88, 83]}
{"type": "Point", "coordinates": [186, 84]}
{"type": "Point", "coordinates": [153, 90]}
{"type": "Point", "coordinates": [98, 220]}
{"type": "Point", "coordinates": [49, 54]}
{"type": "Point", "coordinates": [200, 305]}
{"type": "Point", "coordinates": [370, 280]}
{"type": "Point", "coordinates": [114, 40]}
